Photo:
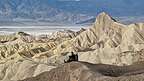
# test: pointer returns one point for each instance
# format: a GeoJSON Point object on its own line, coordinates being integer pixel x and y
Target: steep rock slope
{"type": "Point", "coordinates": [107, 42]}
{"type": "Point", "coordinates": [103, 30]}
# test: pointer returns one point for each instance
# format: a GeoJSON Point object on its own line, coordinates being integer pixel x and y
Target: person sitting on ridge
{"type": "Point", "coordinates": [72, 57]}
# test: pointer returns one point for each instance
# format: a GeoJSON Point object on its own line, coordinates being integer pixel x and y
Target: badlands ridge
{"type": "Point", "coordinates": [107, 51]}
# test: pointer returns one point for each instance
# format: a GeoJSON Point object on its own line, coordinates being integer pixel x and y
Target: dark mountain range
{"type": "Point", "coordinates": [93, 7]}
{"type": "Point", "coordinates": [33, 11]}
{"type": "Point", "coordinates": [65, 11]}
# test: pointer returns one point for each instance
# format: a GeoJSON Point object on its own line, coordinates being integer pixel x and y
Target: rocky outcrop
{"type": "Point", "coordinates": [107, 41]}
{"type": "Point", "coordinates": [123, 45]}
{"type": "Point", "coordinates": [21, 69]}
{"type": "Point", "coordinates": [81, 71]}
{"type": "Point", "coordinates": [103, 30]}
{"type": "Point", "coordinates": [31, 46]}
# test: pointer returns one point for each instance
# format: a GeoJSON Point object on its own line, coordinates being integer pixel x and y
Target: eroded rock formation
{"type": "Point", "coordinates": [105, 42]}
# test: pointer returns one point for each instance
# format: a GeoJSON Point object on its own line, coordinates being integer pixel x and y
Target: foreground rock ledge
{"type": "Point", "coordinates": [82, 71]}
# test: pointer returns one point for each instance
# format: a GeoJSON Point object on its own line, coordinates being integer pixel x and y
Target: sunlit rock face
{"type": "Point", "coordinates": [107, 41]}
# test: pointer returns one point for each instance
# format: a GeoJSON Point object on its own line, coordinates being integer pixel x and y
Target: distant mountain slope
{"type": "Point", "coordinates": [64, 11]}
{"type": "Point", "coordinates": [36, 11]}
{"type": "Point", "coordinates": [89, 21]}
{"type": "Point", "coordinates": [94, 7]}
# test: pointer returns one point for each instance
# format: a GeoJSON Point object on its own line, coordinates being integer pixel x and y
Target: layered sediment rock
{"type": "Point", "coordinates": [20, 52]}
{"type": "Point", "coordinates": [107, 41]}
